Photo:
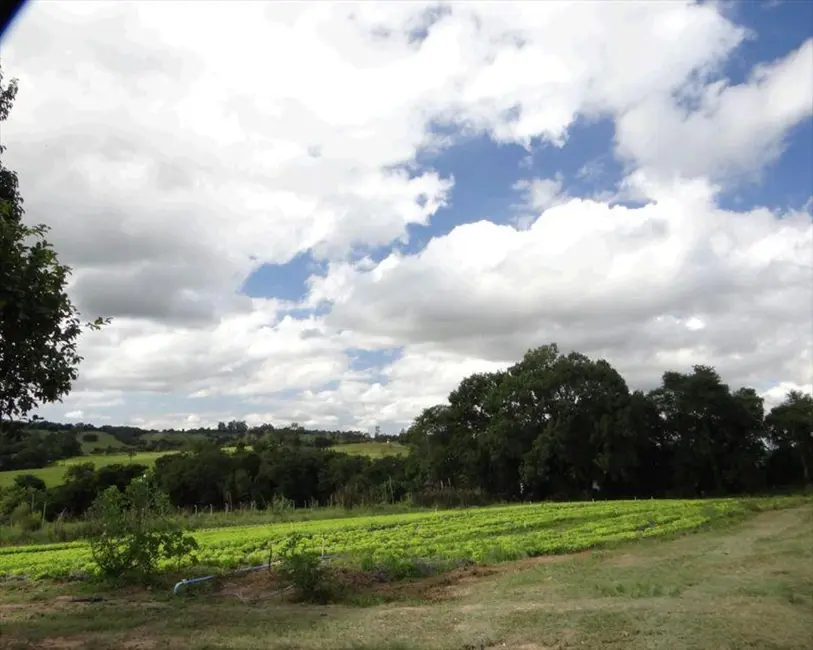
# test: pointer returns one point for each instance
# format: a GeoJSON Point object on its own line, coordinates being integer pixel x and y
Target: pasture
{"type": "Point", "coordinates": [103, 440]}
{"type": "Point", "coordinates": [372, 449]}
{"type": "Point", "coordinates": [54, 474]}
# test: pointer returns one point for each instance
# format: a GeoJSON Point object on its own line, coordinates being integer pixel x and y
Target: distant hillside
{"type": "Point", "coordinates": [54, 474]}
{"type": "Point", "coordinates": [94, 440]}
{"type": "Point", "coordinates": [372, 449]}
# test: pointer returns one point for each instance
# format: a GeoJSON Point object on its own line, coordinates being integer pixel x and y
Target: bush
{"type": "Point", "coordinates": [305, 571]}
{"type": "Point", "coordinates": [23, 518]}
{"type": "Point", "coordinates": [135, 532]}
{"type": "Point", "coordinates": [90, 437]}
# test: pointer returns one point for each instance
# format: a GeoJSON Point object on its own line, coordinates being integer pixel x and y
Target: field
{"type": "Point", "coordinates": [371, 449]}
{"type": "Point", "coordinates": [53, 474]}
{"type": "Point", "coordinates": [155, 436]}
{"type": "Point", "coordinates": [746, 583]}
{"type": "Point", "coordinates": [104, 441]}
{"type": "Point", "coordinates": [483, 535]}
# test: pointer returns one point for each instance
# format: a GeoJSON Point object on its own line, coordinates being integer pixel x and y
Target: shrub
{"type": "Point", "coordinates": [280, 505]}
{"type": "Point", "coordinates": [305, 571]}
{"type": "Point", "coordinates": [135, 532]}
{"type": "Point", "coordinates": [90, 437]}
{"type": "Point", "coordinates": [23, 518]}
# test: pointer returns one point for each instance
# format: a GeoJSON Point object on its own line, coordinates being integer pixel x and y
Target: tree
{"type": "Point", "coordinates": [790, 426]}
{"type": "Point", "coordinates": [137, 533]}
{"type": "Point", "coordinates": [39, 325]}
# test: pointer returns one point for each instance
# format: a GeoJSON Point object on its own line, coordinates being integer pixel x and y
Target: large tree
{"type": "Point", "coordinates": [39, 325]}
{"type": "Point", "coordinates": [790, 425]}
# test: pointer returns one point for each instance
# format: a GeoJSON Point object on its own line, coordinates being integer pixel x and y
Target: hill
{"type": "Point", "coordinates": [53, 474]}
{"type": "Point", "coordinates": [94, 440]}
{"type": "Point", "coordinates": [372, 449]}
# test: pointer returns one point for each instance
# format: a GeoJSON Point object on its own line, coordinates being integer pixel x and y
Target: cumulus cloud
{"type": "Point", "coordinates": [731, 130]}
{"type": "Point", "coordinates": [174, 148]}
{"type": "Point", "coordinates": [676, 281]}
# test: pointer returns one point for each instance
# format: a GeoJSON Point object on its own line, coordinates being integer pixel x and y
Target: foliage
{"type": "Point", "coordinates": [32, 449]}
{"type": "Point", "coordinates": [552, 426]}
{"type": "Point", "coordinates": [135, 533]}
{"type": "Point", "coordinates": [491, 534]}
{"type": "Point", "coordinates": [39, 325]}
{"type": "Point", "coordinates": [24, 518]}
{"type": "Point", "coordinates": [304, 569]}
{"type": "Point", "coordinates": [790, 425]}
{"type": "Point", "coordinates": [563, 426]}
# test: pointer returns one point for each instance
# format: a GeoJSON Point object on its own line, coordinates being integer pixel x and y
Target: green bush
{"type": "Point", "coordinates": [23, 518]}
{"type": "Point", "coordinates": [136, 534]}
{"type": "Point", "coordinates": [305, 571]}
{"type": "Point", "coordinates": [90, 437]}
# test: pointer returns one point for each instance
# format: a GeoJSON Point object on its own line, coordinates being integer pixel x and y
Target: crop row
{"type": "Point", "coordinates": [482, 535]}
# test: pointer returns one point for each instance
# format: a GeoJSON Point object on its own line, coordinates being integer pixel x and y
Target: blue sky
{"type": "Point", "coordinates": [478, 179]}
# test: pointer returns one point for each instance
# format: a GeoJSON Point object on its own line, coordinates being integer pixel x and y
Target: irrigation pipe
{"type": "Point", "coordinates": [193, 581]}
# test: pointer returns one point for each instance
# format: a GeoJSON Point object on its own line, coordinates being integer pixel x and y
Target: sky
{"type": "Point", "coordinates": [330, 214]}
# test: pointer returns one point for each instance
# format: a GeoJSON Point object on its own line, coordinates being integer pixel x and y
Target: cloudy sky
{"type": "Point", "coordinates": [332, 213]}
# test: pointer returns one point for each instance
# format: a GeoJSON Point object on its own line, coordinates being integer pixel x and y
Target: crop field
{"type": "Point", "coordinates": [485, 535]}
{"type": "Point", "coordinates": [53, 474]}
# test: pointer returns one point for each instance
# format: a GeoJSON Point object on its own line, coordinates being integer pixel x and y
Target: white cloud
{"type": "Point", "coordinates": [172, 157]}
{"type": "Point", "coordinates": [677, 281]}
{"type": "Point", "coordinates": [734, 130]}
{"type": "Point", "coordinates": [540, 193]}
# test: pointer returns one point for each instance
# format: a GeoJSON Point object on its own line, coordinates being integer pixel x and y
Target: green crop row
{"type": "Point", "coordinates": [482, 535]}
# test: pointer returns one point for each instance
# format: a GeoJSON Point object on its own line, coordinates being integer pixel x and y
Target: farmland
{"type": "Point", "coordinates": [483, 535]}
{"type": "Point", "coordinates": [53, 474]}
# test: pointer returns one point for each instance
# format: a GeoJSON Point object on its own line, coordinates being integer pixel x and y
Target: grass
{"type": "Point", "coordinates": [372, 449]}
{"type": "Point", "coordinates": [53, 474]}
{"type": "Point", "coordinates": [104, 441]}
{"type": "Point", "coordinates": [155, 436]}
{"type": "Point", "coordinates": [747, 585]}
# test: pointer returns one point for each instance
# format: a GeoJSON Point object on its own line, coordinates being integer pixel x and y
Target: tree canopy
{"type": "Point", "coordinates": [39, 325]}
{"type": "Point", "coordinates": [565, 426]}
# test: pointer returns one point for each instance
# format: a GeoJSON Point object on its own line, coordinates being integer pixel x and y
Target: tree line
{"type": "Point", "coordinates": [565, 426]}
{"type": "Point", "coordinates": [553, 426]}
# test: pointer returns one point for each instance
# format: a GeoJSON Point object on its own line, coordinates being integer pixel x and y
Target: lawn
{"type": "Point", "coordinates": [745, 585]}
{"type": "Point", "coordinates": [53, 474]}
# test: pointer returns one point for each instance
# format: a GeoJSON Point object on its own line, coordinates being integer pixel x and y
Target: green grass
{"type": "Point", "coordinates": [104, 441]}
{"type": "Point", "coordinates": [372, 449]}
{"type": "Point", "coordinates": [744, 586]}
{"type": "Point", "coordinates": [53, 474]}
